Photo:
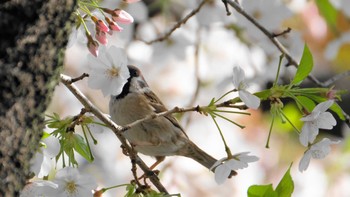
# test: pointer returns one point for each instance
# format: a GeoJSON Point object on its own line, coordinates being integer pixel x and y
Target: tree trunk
{"type": "Point", "coordinates": [32, 39]}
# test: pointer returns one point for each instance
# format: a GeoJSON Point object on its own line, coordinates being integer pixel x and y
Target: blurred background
{"type": "Point", "coordinates": [195, 64]}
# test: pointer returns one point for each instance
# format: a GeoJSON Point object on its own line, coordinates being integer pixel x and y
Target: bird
{"type": "Point", "coordinates": [159, 137]}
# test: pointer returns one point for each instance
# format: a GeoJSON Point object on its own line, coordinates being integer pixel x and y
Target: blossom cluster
{"type": "Point", "coordinates": [103, 25]}
{"type": "Point", "coordinates": [319, 118]}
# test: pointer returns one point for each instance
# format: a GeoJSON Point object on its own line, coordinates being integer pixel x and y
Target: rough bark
{"type": "Point", "coordinates": [32, 39]}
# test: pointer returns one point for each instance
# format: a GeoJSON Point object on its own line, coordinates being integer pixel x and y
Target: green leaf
{"type": "Point", "coordinates": [328, 12]}
{"type": "Point", "coordinates": [305, 102]}
{"type": "Point", "coordinates": [131, 189]}
{"type": "Point", "coordinates": [45, 135]}
{"type": "Point", "coordinates": [67, 143]}
{"type": "Point", "coordinates": [82, 148]}
{"type": "Point", "coordinates": [261, 191]}
{"type": "Point", "coordinates": [305, 66]}
{"type": "Point", "coordinates": [337, 109]}
{"type": "Point", "coordinates": [286, 186]}
{"type": "Point", "coordinates": [263, 95]}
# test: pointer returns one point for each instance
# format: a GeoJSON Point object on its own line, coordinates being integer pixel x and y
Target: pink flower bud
{"type": "Point", "coordinates": [101, 36]}
{"type": "Point", "coordinates": [332, 94]}
{"type": "Point", "coordinates": [131, 1]}
{"type": "Point", "coordinates": [113, 25]}
{"type": "Point", "coordinates": [121, 16]}
{"type": "Point", "coordinates": [100, 24]}
{"type": "Point", "coordinates": [92, 45]}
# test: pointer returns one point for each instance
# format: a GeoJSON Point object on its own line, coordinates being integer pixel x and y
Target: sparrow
{"type": "Point", "coordinates": [159, 137]}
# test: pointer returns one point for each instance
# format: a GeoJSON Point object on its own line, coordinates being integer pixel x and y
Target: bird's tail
{"type": "Point", "coordinates": [194, 152]}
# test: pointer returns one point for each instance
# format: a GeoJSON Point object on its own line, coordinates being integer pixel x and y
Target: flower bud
{"type": "Point", "coordinates": [100, 24]}
{"type": "Point", "coordinates": [113, 25]}
{"type": "Point", "coordinates": [101, 36]}
{"type": "Point", "coordinates": [92, 45]}
{"type": "Point", "coordinates": [122, 16]}
{"type": "Point", "coordinates": [131, 1]}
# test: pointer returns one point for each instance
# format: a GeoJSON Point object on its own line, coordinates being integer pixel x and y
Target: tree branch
{"type": "Point", "coordinates": [272, 37]}
{"type": "Point", "coordinates": [177, 25]}
{"type": "Point", "coordinates": [281, 48]}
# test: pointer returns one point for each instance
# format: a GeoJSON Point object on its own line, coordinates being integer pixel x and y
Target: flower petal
{"type": "Point", "coordinates": [322, 148]}
{"type": "Point", "coordinates": [118, 56]}
{"type": "Point", "coordinates": [218, 162]}
{"type": "Point", "coordinates": [234, 164]}
{"type": "Point", "coordinates": [249, 99]}
{"type": "Point", "coordinates": [311, 117]}
{"type": "Point", "coordinates": [308, 133]}
{"type": "Point", "coordinates": [238, 76]}
{"type": "Point", "coordinates": [322, 107]}
{"type": "Point", "coordinates": [326, 121]}
{"type": "Point", "coordinates": [221, 173]}
{"type": "Point", "coordinates": [304, 162]}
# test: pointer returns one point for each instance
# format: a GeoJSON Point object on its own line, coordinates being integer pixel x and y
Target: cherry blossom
{"type": "Point", "coordinates": [71, 183]}
{"type": "Point", "coordinates": [317, 119]}
{"type": "Point", "coordinates": [224, 166]}
{"type": "Point", "coordinates": [318, 150]}
{"type": "Point", "coordinates": [109, 71]}
{"type": "Point", "coordinates": [42, 162]}
{"type": "Point", "coordinates": [239, 83]}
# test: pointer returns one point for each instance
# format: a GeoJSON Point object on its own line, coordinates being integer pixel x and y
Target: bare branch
{"type": "Point", "coordinates": [177, 25]}
{"type": "Point", "coordinates": [336, 78]}
{"type": "Point", "coordinates": [79, 78]}
{"type": "Point", "coordinates": [282, 33]}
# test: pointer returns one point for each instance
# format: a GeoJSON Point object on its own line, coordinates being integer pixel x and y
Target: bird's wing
{"type": "Point", "coordinates": [159, 107]}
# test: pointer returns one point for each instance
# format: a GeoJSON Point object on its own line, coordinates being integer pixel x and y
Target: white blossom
{"type": "Point", "coordinates": [318, 119]}
{"type": "Point", "coordinates": [42, 163]}
{"type": "Point", "coordinates": [39, 188]}
{"type": "Point", "coordinates": [71, 183]}
{"type": "Point", "coordinates": [318, 150]}
{"type": "Point", "coordinates": [224, 166]}
{"type": "Point", "coordinates": [239, 83]}
{"type": "Point", "coordinates": [109, 71]}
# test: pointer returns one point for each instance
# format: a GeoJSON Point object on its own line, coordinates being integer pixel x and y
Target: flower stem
{"type": "Point", "coordinates": [227, 149]}
{"type": "Point", "coordinates": [225, 95]}
{"type": "Point", "coordinates": [290, 122]}
{"type": "Point", "coordinates": [269, 136]}
{"type": "Point", "coordinates": [278, 70]}
{"type": "Point", "coordinates": [87, 142]}
{"type": "Point", "coordinates": [233, 112]}
{"type": "Point", "coordinates": [223, 117]}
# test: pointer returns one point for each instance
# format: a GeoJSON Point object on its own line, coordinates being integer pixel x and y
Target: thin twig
{"type": "Point", "coordinates": [79, 78]}
{"type": "Point", "coordinates": [67, 81]}
{"type": "Point", "coordinates": [286, 31]}
{"type": "Point", "coordinates": [177, 25]}
{"type": "Point", "coordinates": [76, 120]}
{"type": "Point", "coordinates": [336, 78]}
{"type": "Point", "coordinates": [198, 109]}
{"type": "Point", "coordinates": [274, 40]}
